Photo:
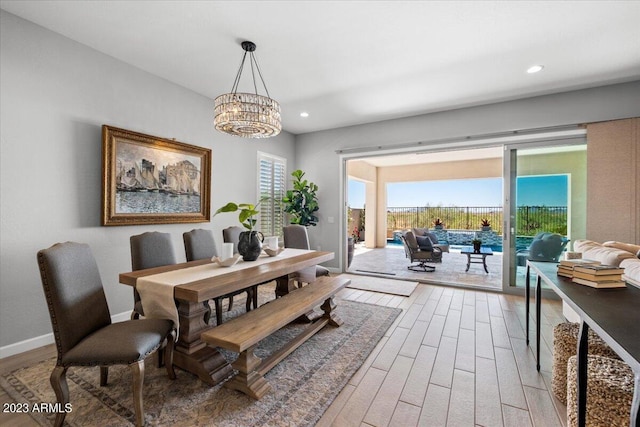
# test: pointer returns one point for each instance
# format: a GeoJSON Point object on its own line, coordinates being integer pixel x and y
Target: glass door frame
{"type": "Point", "coordinates": [510, 173]}
{"type": "Point", "coordinates": [532, 138]}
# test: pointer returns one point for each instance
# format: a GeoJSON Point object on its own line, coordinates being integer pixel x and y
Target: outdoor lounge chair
{"type": "Point", "coordinates": [544, 247]}
{"type": "Point", "coordinates": [424, 232]}
{"type": "Point", "coordinates": [421, 256]}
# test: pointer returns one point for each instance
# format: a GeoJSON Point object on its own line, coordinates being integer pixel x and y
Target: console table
{"type": "Point", "coordinates": [614, 314]}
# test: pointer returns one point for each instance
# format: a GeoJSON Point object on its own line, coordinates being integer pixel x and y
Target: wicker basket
{"type": "Point", "coordinates": [609, 392]}
{"type": "Point", "coordinates": [565, 344]}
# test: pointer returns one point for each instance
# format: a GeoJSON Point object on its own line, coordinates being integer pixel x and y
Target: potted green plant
{"type": "Point", "coordinates": [301, 203]}
{"type": "Point", "coordinates": [438, 224]}
{"type": "Point", "coordinates": [486, 224]}
{"type": "Point", "coordinates": [250, 243]}
{"type": "Point", "coordinates": [476, 245]}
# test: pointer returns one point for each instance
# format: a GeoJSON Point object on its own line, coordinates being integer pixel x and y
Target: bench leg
{"type": "Point", "coordinates": [328, 307]}
{"type": "Point", "coordinates": [248, 380]}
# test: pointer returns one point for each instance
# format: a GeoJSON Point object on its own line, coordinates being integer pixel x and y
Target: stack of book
{"type": "Point", "coordinates": [599, 276]}
{"type": "Point", "coordinates": [566, 266]}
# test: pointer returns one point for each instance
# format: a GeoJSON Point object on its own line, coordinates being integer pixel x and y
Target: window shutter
{"type": "Point", "coordinates": [272, 184]}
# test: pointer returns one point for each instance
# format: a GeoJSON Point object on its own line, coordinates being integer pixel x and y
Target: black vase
{"type": "Point", "coordinates": [476, 247]}
{"type": "Point", "coordinates": [250, 245]}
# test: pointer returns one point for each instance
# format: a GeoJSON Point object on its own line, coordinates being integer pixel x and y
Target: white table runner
{"type": "Point", "coordinates": [156, 291]}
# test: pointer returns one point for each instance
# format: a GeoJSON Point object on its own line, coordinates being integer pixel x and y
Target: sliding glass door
{"type": "Point", "coordinates": [545, 203]}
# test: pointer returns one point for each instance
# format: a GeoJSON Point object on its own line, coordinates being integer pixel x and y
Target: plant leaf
{"type": "Point", "coordinates": [229, 207]}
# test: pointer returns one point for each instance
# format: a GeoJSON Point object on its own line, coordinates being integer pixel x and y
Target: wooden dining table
{"type": "Point", "coordinates": [214, 281]}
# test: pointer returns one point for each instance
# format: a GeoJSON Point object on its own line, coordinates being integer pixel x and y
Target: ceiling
{"type": "Point", "coordinates": [352, 62]}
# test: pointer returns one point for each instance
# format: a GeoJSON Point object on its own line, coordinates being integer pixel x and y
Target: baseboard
{"type": "Point", "coordinates": [41, 341]}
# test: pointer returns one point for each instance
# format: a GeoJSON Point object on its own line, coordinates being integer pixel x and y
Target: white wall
{"type": "Point", "coordinates": [56, 94]}
{"type": "Point", "coordinates": [316, 152]}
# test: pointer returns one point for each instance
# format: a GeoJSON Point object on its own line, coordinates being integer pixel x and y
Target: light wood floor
{"type": "Point", "coordinates": [454, 357]}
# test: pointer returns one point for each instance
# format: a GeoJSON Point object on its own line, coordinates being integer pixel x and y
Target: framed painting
{"type": "Point", "coordinates": [152, 180]}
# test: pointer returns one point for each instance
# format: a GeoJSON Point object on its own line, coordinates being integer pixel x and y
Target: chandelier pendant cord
{"type": "Point", "coordinates": [234, 88]}
{"type": "Point", "coordinates": [252, 61]}
{"type": "Point", "coordinates": [259, 74]}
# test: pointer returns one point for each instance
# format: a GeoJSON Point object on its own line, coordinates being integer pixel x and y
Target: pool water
{"type": "Point", "coordinates": [494, 248]}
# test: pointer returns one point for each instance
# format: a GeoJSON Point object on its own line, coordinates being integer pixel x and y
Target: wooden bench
{"type": "Point", "coordinates": [242, 334]}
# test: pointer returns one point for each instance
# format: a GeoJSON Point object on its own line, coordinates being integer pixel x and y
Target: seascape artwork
{"type": "Point", "coordinates": [154, 181]}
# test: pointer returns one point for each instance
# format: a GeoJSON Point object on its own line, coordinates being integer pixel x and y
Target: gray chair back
{"type": "Point", "coordinates": [74, 293]}
{"type": "Point", "coordinates": [199, 244]}
{"type": "Point", "coordinates": [232, 235]}
{"type": "Point", "coordinates": [296, 237]}
{"type": "Point", "coordinates": [151, 249]}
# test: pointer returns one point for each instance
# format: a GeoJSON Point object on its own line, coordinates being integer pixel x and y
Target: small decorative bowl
{"type": "Point", "coordinates": [227, 262]}
{"type": "Point", "coordinates": [273, 252]}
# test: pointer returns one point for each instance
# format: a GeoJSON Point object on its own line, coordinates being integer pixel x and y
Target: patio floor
{"type": "Point", "coordinates": [390, 262]}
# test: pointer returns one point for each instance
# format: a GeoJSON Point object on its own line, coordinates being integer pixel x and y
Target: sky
{"type": "Point", "coordinates": [550, 190]}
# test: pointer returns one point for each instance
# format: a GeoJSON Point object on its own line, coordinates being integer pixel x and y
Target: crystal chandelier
{"type": "Point", "coordinates": [248, 115]}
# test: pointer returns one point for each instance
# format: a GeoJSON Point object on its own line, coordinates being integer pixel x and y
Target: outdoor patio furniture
{"type": "Point", "coordinates": [476, 257]}
{"type": "Point", "coordinates": [418, 232]}
{"type": "Point", "coordinates": [544, 247]}
{"type": "Point", "coordinates": [421, 256]}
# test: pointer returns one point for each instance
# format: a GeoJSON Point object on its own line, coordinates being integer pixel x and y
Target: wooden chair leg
{"type": "Point", "coordinates": [249, 299]}
{"type": "Point", "coordinates": [207, 314]}
{"type": "Point", "coordinates": [230, 303]}
{"type": "Point", "coordinates": [218, 304]}
{"type": "Point", "coordinates": [58, 381]}
{"type": "Point", "coordinates": [160, 359]}
{"type": "Point", "coordinates": [137, 372]}
{"type": "Point", "coordinates": [104, 375]}
{"type": "Point", "coordinates": [255, 296]}
{"type": "Point", "coordinates": [168, 355]}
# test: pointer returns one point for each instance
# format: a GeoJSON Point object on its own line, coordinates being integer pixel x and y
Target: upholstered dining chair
{"type": "Point", "coordinates": [149, 250]}
{"type": "Point", "coordinates": [200, 244]}
{"type": "Point", "coordinates": [296, 237]}
{"type": "Point", "coordinates": [232, 235]}
{"type": "Point", "coordinates": [82, 327]}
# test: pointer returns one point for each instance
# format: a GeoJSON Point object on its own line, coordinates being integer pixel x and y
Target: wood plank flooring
{"type": "Point", "coordinates": [454, 357]}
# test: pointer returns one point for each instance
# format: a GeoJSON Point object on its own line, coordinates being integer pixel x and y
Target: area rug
{"type": "Point", "coordinates": [303, 385]}
{"type": "Point", "coordinates": [378, 284]}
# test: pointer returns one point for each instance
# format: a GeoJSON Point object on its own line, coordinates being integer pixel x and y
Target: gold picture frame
{"type": "Point", "coordinates": [151, 180]}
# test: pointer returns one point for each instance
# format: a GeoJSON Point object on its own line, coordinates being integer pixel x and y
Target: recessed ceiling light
{"type": "Point", "coordinates": [304, 114]}
{"type": "Point", "coordinates": [535, 69]}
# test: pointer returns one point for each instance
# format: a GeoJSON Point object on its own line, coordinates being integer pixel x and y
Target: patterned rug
{"type": "Point", "coordinates": [303, 385]}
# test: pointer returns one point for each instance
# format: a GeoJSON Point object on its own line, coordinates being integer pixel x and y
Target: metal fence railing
{"type": "Point", "coordinates": [530, 219]}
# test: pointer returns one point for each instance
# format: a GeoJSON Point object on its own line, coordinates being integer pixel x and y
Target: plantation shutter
{"type": "Point", "coordinates": [271, 183]}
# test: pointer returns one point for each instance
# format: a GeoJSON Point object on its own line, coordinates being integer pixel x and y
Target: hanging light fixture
{"type": "Point", "coordinates": [248, 115]}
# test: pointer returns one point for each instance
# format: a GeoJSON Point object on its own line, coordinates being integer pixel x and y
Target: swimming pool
{"type": "Point", "coordinates": [494, 248]}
